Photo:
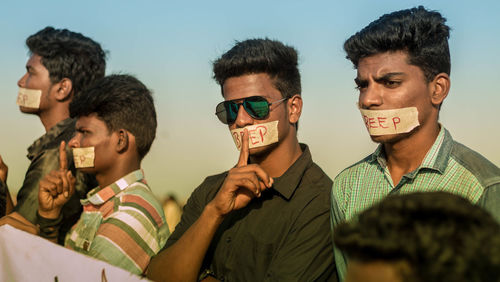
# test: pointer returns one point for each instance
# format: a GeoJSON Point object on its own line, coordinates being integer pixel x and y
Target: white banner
{"type": "Point", "coordinates": [26, 257]}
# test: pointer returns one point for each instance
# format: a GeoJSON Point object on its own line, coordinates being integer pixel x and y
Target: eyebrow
{"type": "Point", "coordinates": [385, 77]}
{"type": "Point", "coordinates": [388, 76]}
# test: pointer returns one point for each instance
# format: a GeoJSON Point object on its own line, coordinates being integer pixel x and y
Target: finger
{"type": "Point", "coordinates": [65, 183]}
{"type": "Point", "coordinates": [71, 183]}
{"type": "Point", "coordinates": [250, 181]}
{"type": "Point", "coordinates": [243, 160]}
{"type": "Point", "coordinates": [260, 172]}
{"type": "Point", "coordinates": [48, 187]}
{"type": "Point", "coordinates": [55, 180]}
{"type": "Point", "coordinates": [248, 184]}
{"type": "Point", "coordinates": [63, 161]}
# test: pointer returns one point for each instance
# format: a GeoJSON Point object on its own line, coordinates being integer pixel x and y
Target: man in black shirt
{"type": "Point", "coordinates": [268, 217]}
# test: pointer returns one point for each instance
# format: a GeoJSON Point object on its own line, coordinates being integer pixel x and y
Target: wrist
{"type": "Point", "coordinates": [213, 212]}
{"type": "Point", "coordinates": [49, 214]}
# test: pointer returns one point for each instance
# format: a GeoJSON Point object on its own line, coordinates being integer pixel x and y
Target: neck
{"type": "Point", "coordinates": [119, 169]}
{"type": "Point", "coordinates": [280, 158]}
{"type": "Point", "coordinates": [407, 154]}
{"type": "Point", "coordinates": [53, 116]}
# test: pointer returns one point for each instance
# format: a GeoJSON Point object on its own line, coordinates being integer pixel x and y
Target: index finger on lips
{"type": "Point", "coordinates": [244, 152]}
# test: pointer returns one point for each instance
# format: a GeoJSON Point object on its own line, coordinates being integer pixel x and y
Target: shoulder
{"type": "Point", "coordinates": [485, 171]}
{"type": "Point", "coordinates": [209, 187]}
{"type": "Point", "coordinates": [353, 171]}
{"type": "Point", "coordinates": [138, 199]}
{"type": "Point", "coordinates": [316, 177]}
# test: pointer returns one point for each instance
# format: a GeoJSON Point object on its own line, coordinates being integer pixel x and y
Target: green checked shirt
{"type": "Point", "coordinates": [448, 166]}
{"type": "Point", "coordinates": [122, 224]}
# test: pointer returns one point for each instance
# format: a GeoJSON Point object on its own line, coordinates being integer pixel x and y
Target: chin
{"type": "Point", "coordinates": [88, 170]}
{"type": "Point", "coordinates": [27, 110]}
{"type": "Point", "coordinates": [391, 138]}
{"type": "Point", "coordinates": [262, 151]}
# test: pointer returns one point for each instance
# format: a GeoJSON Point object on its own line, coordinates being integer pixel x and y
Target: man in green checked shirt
{"type": "Point", "coordinates": [403, 67]}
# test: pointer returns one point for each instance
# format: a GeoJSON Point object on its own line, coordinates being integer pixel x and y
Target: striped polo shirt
{"type": "Point", "coordinates": [122, 224]}
{"type": "Point", "coordinates": [448, 166]}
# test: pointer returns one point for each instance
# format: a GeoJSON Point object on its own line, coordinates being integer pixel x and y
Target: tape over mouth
{"type": "Point", "coordinates": [259, 135]}
{"type": "Point", "coordinates": [29, 98]}
{"type": "Point", "coordinates": [393, 121]}
{"type": "Point", "coordinates": [84, 157]}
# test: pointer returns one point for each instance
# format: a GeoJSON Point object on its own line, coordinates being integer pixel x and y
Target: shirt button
{"type": "Point", "coordinates": [228, 240]}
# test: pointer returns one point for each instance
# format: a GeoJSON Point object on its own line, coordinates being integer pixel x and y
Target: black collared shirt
{"type": "Point", "coordinates": [282, 236]}
{"type": "Point", "coordinates": [44, 157]}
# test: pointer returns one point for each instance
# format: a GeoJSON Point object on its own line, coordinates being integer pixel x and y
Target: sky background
{"type": "Point", "coordinates": [169, 46]}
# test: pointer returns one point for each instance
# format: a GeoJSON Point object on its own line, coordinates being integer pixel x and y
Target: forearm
{"type": "Point", "coordinates": [182, 261]}
{"type": "Point", "coordinates": [9, 204]}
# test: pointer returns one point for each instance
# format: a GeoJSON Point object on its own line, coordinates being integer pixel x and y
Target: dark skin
{"type": "Point", "coordinates": [115, 156]}
{"type": "Point", "coordinates": [387, 81]}
{"type": "Point", "coordinates": [245, 182]}
{"type": "Point", "coordinates": [54, 103]}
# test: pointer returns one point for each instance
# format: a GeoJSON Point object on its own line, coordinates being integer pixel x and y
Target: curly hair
{"type": "Point", "coordinates": [442, 236]}
{"type": "Point", "coordinates": [68, 54]}
{"type": "Point", "coordinates": [421, 33]}
{"type": "Point", "coordinates": [279, 61]}
{"type": "Point", "coordinates": [122, 102]}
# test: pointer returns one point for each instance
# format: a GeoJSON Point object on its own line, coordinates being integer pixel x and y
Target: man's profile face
{"type": "Point", "coordinates": [387, 81]}
{"type": "Point", "coordinates": [37, 78]}
{"type": "Point", "coordinates": [239, 87]}
{"type": "Point", "coordinates": [93, 132]}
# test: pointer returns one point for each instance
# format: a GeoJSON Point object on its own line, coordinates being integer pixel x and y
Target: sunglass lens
{"type": "Point", "coordinates": [232, 111]}
{"type": "Point", "coordinates": [257, 107]}
{"type": "Point", "coordinates": [221, 112]}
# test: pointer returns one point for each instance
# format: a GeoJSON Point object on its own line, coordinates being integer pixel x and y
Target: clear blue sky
{"type": "Point", "coordinates": [169, 45]}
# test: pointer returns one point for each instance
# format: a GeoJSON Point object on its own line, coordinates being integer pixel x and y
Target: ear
{"type": "Point", "coordinates": [64, 88]}
{"type": "Point", "coordinates": [440, 87]}
{"type": "Point", "coordinates": [123, 141]}
{"type": "Point", "coordinates": [294, 108]}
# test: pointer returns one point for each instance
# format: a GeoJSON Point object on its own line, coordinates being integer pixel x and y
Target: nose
{"type": "Point", "coordinates": [22, 81]}
{"type": "Point", "coordinates": [370, 97]}
{"type": "Point", "coordinates": [75, 141]}
{"type": "Point", "coordinates": [243, 118]}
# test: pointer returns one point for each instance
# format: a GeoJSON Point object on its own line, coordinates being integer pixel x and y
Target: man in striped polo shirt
{"type": "Point", "coordinates": [122, 222]}
{"type": "Point", "coordinates": [403, 67]}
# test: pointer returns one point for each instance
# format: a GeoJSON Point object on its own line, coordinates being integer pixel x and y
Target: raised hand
{"type": "Point", "coordinates": [242, 184]}
{"type": "Point", "coordinates": [56, 188]}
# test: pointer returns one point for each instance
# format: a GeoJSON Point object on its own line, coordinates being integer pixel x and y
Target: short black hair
{"type": "Point", "coordinates": [421, 33]}
{"type": "Point", "coordinates": [122, 102]}
{"type": "Point", "coordinates": [268, 56]}
{"type": "Point", "coordinates": [442, 236]}
{"type": "Point", "coordinates": [68, 54]}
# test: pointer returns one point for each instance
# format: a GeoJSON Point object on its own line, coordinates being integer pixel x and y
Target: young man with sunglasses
{"type": "Point", "coordinates": [403, 76]}
{"type": "Point", "coordinates": [268, 217]}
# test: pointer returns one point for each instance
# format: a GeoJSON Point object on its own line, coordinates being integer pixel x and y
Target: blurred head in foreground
{"type": "Point", "coordinates": [432, 236]}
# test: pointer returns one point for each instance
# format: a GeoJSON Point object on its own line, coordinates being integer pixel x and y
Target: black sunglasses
{"type": "Point", "coordinates": [256, 106]}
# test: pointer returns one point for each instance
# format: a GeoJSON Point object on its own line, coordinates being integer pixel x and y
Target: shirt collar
{"type": "Point", "coordinates": [99, 196]}
{"type": "Point", "coordinates": [290, 180]}
{"type": "Point", "coordinates": [435, 159]}
{"type": "Point", "coordinates": [54, 132]}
